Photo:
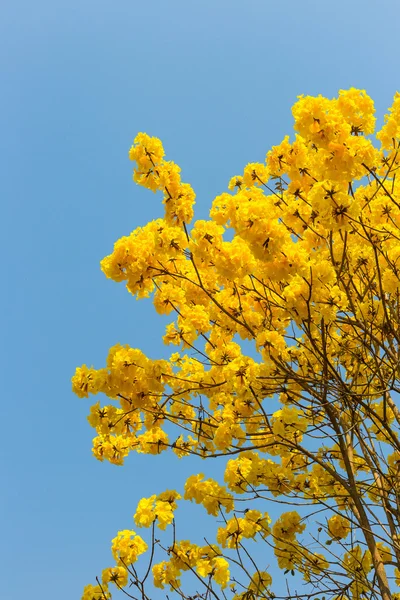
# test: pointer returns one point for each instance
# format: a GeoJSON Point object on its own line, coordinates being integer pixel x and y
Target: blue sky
{"type": "Point", "coordinates": [215, 80]}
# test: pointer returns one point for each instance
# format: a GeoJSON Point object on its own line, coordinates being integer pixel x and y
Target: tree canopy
{"type": "Point", "coordinates": [301, 260]}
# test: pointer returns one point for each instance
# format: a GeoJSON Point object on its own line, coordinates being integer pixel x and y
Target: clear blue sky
{"type": "Point", "coordinates": [215, 80]}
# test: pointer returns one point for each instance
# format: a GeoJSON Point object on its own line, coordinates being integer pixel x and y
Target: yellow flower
{"type": "Point", "coordinates": [146, 148]}
{"type": "Point", "coordinates": [209, 493]}
{"type": "Point", "coordinates": [165, 514]}
{"type": "Point", "coordinates": [286, 527]}
{"type": "Point", "coordinates": [358, 110]}
{"type": "Point", "coordinates": [204, 567]}
{"type": "Point", "coordinates": [88, 381]}
{"type": "Point", "coordinates": [160, 508]}
{"type": "Point", "coordinates": [357, 561]}
{"type": "Point", "coordinates": [260, 581]}
{"type": "Point", "coordinates": [95, 592]}
{"type": "Point", "coordinates": [153, 441]}
{"type": "Point", "coordinates": [255, 174]}
{"type": "Point", "coordinates": [221, 573]}
{"type": "Point", "coordinates": [389, 135]}
{"type": "Point", "coordinates": [127, 546]}
{"type": "Point", "coordinates": [289, 421]}
{"type": "Point", "coordinates": [338, 527]}
{"type": "Point", "coordinates": [145, 515]}
{"type": "Point", "coordinates": [116, 575]}
{"type": "Point", "coordinates": [166, 573]}
{"type": "Point", "coordinates": [385, 552]}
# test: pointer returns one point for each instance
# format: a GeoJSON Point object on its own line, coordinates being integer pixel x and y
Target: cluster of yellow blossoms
{"type": "Point", "coordinates": [205, 560]}
{"type": "Point", "coordinates": [310, 274]}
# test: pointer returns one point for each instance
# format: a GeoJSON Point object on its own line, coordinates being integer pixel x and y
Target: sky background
{"type": "Point", "coordinates": [215, 80]}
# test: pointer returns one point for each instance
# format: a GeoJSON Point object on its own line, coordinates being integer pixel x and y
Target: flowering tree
{"type": "Point", "coordinates": [310, 276]}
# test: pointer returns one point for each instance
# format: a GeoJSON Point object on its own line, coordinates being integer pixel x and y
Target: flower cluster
{"type": "Point", "coordinates": [160, 508]}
